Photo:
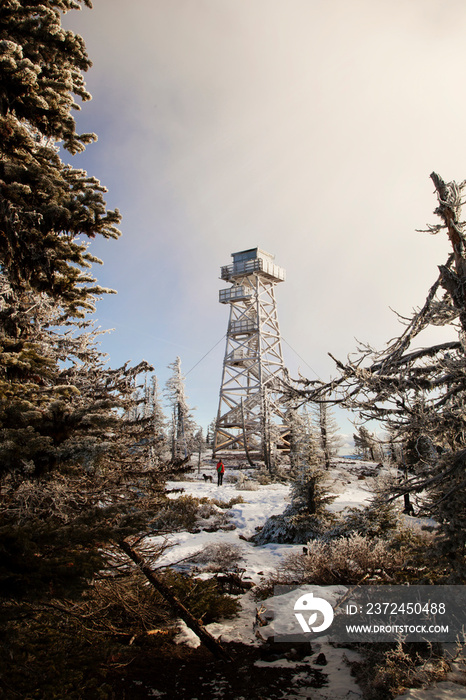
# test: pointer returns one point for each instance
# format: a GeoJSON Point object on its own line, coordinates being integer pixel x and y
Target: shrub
{"type": "Point", "coordinates": [65, 649]}
{"type": "Point", "coordinates": [184, 512]}
{"type": "Point", "coordinates": [376, 519]}
{"type": "Point", "coordinates": [243, 483]}
{"type": "Point", "coordinates": [307, 516]}
{"type": "Point", "coordinates": [206, 510]}
{"type": "Point", "coordinates": [264, 477]}
{"type": "Point", "coordinates": [202, 598]}
{"type": "Point", "coordinates": [292, 527]}
{"type": "Point", "coordinates": [345, 561]}
{"type": "Point", "coordinates": [388, 670]}
{"type": "Point", "coordinates": [222, 556]}
{"type": "Point", "coordinates": [176, 514]}
{"type": "Point", "coordinates": [223, 504]}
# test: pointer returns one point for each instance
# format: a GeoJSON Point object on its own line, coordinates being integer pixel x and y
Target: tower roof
{"type": "Point", "coordinates": [252, 254]}
{"type": "Point", "coordinates": [253, 261]}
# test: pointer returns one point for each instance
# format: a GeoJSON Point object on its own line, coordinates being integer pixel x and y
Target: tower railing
{"type": "Point", "coordinates": [249, 267]}
{"type": "Point", "coordinates": [242, 326]}
{"type": "Point", "coordinates": [225, 296]}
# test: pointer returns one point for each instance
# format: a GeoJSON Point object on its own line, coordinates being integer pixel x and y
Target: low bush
{"type": "Point", "coordinates": [345, 561]}
{"type": "Point", "coordinates": [376, 519]}
{"type": "Point", "coordinates": [223, 504]}
{"type": "Point", "coordinates": [388, 670]}
{"type": "Point", "coordinates": [184, 512]}
{"type": "Point", "coordinates": [176, 514]}
{"type": "Point", "coordinates": [244, 483]}
{"type": "Point", "coordinates": [206, 510]}
{"type": "Point", "coordinates": [66, 649]}
{"type": "Point", "coordinates": [222, 556]}
{"type": "Point", "coordinates": [202, 597]}
{"type": "Point", "coordinates": [292, 527]}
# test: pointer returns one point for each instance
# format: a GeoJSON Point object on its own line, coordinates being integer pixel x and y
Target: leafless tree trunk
{"type": "Point", "coordinates": [206, 638]}
{"type": "Point", "coordinates": [449, 210]}
{"type": "Point", "coordinates": [324, 439]}
{"type": "Point", "coordinates": [245, 439]}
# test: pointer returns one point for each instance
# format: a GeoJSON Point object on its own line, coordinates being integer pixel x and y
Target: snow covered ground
{"type": "Point", "coordinates": [351, 481]}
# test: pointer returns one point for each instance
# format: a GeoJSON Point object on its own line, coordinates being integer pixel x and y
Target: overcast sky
{"type": "Point", "coordinates": [308, 128]}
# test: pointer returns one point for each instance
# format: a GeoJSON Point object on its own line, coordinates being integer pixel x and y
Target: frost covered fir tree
{"type": "Point", "coordinates": [210, 436]}
{"type": "Point", "coordinates": [327, 429]}
{"type": "Point", "coordinates": [182, 425]}
{"type": "Point", "coordinates": [68, 463]}
{"type": "Point", "coordinates": [72, 484]}
{"type": "Point", "coordinates": [307, 516]}
{"type": "Point", "coordinates": [67, 455]}
{"type": "Point", "coordinates": [74, 477]}
{"type": "Point", "coordinates": [46, 205]}
{"type": "Point", "coordinates": [199, 444]}
{"type": "Point", "coordinates": [148, 409]}
{"type": "Point", "coordinates": [47, 210]}
{"type": "Point", "coordinates": [158, 420]}
{"type": "Point", "coordinates": [366, 444]}
{"type": "Point", "coordinates": [303, 439]}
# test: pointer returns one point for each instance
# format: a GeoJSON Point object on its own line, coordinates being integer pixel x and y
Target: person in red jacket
{"type": "Point", "coordinates": [220, 472]}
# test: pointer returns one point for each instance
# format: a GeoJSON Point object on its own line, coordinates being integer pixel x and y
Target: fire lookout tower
{"type": "Point", "coordinates": [251, 414]}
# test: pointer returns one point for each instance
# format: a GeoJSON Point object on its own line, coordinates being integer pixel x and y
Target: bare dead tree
{"type": "Point", "coordinates": [195, 625]}
{"type": "Point", "coordinates": [421, 392]}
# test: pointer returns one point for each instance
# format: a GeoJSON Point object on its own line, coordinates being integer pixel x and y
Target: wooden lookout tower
{"type": "Point", "coordinates": [251, 414]}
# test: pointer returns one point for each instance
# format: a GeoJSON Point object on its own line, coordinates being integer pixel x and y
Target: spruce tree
{"type": "Point", "coordinates": [365, 443]}
{"type": "Point", "coordinates": [211, 428]}
{"type": "Point", "coordinates": [327, 428]}
{"type": "Point", "coordinates": [307, 516]}
{"type": "Point", "coordinates": [304, 448]}
{"type": "Point", "coordinates": [76, 476]}
{"type": "Point", "coordinates": [47, 211]}
{"type": "Point", "coordinates": [182, 427]}
{"type": "Point", "coordinates": [154, 410]}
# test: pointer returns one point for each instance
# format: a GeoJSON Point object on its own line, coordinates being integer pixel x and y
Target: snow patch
{"type": "Point", "coordinates": [186, 636]}
{"type": "Point", "coordinates": [445, 690]}
{"type": "Point", "coordinates": [353, 490]}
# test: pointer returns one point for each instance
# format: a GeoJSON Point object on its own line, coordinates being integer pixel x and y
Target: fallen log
{"type": "Point", "coordinates": [206, 638]}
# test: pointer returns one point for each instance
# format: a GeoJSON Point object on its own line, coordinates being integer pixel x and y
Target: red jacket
{"type": "Point", "coordinates": [220, 467]}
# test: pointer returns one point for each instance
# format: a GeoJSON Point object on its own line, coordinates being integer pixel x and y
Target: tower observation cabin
{"type": "Point", "coordinates": [251, 412]}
